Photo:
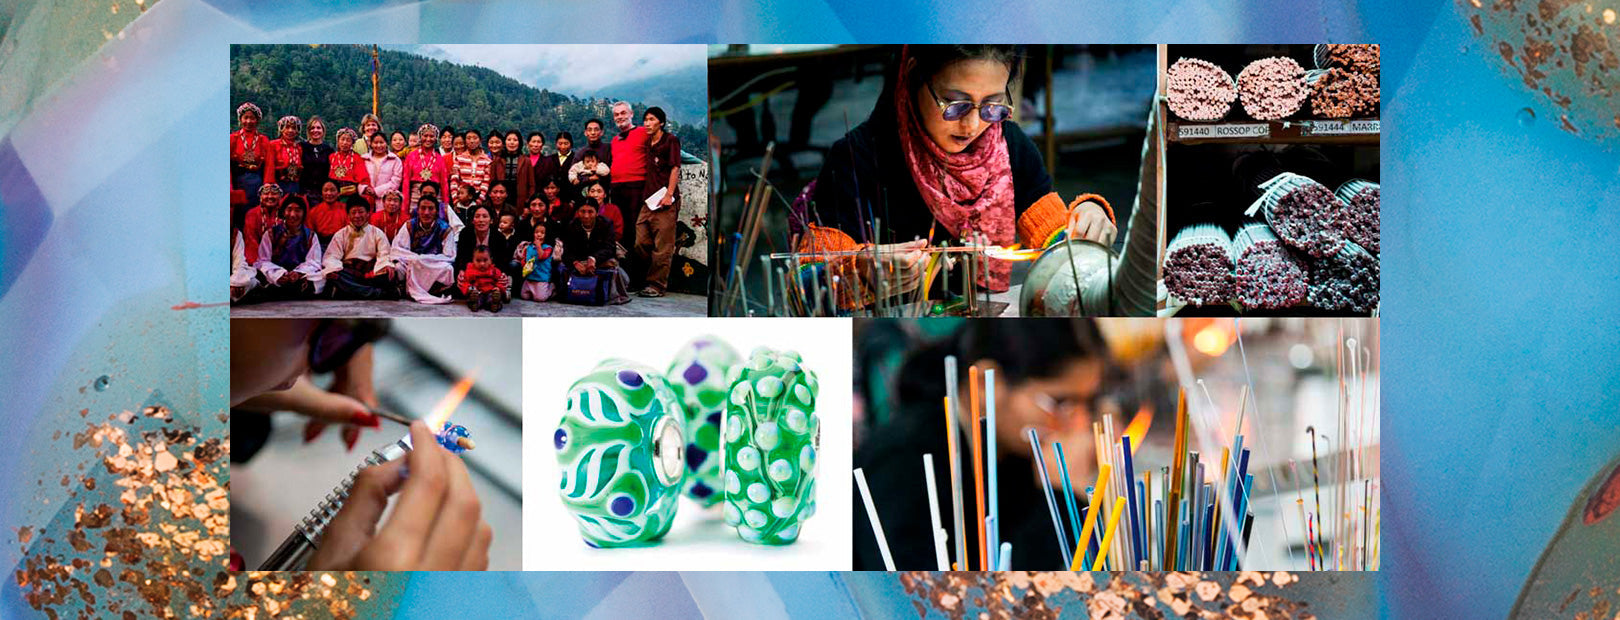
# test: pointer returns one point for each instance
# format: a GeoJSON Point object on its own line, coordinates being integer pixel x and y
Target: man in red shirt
{"type": "Point", "coordinates": [629, 178]}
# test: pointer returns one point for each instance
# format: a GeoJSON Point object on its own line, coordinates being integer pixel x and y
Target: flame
{"type": "Point", "coordinates": [1138, 428]}
{"type": "Point", "coordinates": [448, 404]}
{"type": "Point", "coordinates": [1012, 253]}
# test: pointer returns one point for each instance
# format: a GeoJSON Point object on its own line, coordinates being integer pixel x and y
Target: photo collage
{"type": "Point", "coordinates": [769, 307]}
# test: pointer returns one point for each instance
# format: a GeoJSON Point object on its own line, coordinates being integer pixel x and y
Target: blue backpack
{"type": "Point", "coordinates": [585, 290]}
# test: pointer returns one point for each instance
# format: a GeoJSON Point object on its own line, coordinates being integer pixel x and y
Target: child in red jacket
{"type": "Point", "coordinates": [483, 284]}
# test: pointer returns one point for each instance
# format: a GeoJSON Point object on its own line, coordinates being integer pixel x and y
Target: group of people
{"type": "Point", "coordinates": [453, 214]}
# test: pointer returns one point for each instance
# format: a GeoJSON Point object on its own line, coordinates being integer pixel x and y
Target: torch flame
{"type": "Point", "coordinates": [1012, 253]}
{"type": "Point", "coordinates": [1138, 428]}
{"type": "Point", "coordinates": [448, 404]}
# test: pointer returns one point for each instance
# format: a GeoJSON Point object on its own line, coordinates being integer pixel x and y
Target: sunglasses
{"type": "Point", "coordinates": [334, 341]}
{"type": "Point", "coordinates": [989, 112]}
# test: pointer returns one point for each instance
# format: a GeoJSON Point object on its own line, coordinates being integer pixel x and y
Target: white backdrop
{"type": "Point", "coordinates": [558, 351]}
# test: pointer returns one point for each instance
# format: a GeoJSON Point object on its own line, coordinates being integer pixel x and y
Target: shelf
{"type": "Point", "coordinates": [1361, 131]}
{"type": "Point", "coordinates": [1357, 132]}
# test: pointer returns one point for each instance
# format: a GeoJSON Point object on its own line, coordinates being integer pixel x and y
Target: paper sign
{"type": "Point", "coordinates": [1340, 128]}
{"type": "Point", "coordinates": [1246, 130]}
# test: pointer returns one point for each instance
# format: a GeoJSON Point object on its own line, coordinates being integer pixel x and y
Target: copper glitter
{"type": "Point", "coordinates": [1565, 51]}
{"type": "Point", "coordinates": [154, 541]}
{"type": "Point", "coordinates": [1036, 595]}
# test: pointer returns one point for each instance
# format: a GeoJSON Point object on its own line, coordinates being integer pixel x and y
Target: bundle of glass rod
{"type": "Point", "coordinates": [1173, 525]}
{"type": "Point", "coordinates": [1200, 516]}
{"type": "Point", "coordinates": [1130, 535]}
{"type": "Point", "coordinates": [1339, 528]}
{"type": "Point", "coordinates": [981, 391]}
{"type": "Point", "coordinates": [1349, 541]}
{"type": "Point", "coordinates": [831, 283]}
{"type": "Point", "coordinates": [1197, 516]}
{"type": "Point", "coordinates": [754, 204]}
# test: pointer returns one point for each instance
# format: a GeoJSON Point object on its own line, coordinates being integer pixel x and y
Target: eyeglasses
{"type": "Point", "coordinates": [1063, 411]}
{"type": "Point", "coordinates": [989, 112]}
{"type": "Point", "coordinates": [335, 341]}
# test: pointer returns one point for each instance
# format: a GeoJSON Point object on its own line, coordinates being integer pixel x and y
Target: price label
{"type": "Point", "coordinates": [1340, 128]}
{"type": "Point", "coordinates": [1229, 131]}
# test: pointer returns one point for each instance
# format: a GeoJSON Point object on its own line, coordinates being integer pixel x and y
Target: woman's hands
{"type": "Point", "coordinates": [348, 402]}
{"type": "Point", "coordinates": [1088, 220]}
{"type": "Point", "coordinates": [900, 264]}
{"type": "Point", "coordinates": [437, 524]}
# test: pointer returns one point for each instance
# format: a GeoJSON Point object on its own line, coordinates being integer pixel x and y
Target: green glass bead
{"type": "Point", "coordinates": [701, 374]}
{"type": "Point", "coordinates": [772, 437]}
{"type": "Point", "coordinates": [620, 448]}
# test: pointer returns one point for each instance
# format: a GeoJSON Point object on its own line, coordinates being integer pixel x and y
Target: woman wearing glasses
{"type": "Point", "coordinates": [1050, 375]}
{"type": "Point", "coordinates": [939, 160]}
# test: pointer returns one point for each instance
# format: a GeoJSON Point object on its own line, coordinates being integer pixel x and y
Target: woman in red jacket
{"type": "Point", "coordinates": [250, 158]}
{"type": "Point", "coordinates": [348, 168]}
{"type": "Point", "coordinates": [426, 165]}
{"type": "Point", "coordinates": [287, 155]}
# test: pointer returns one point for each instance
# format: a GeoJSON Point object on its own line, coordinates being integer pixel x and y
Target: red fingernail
{"type": "Point", "coordinates": [312, 430]}
{"type": "Point", "coordinates": [237, 563]}
{"type": "Point", "coordinates": [367, 419]}
{"type": "Point", "coordinates": [351, 435]}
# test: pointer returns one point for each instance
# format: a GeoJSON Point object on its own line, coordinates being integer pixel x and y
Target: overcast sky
{"type": "Point", "coordinates": [572, 69]}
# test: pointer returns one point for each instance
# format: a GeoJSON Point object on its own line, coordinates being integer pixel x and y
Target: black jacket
{"type": "Point", "coordinates": [866, 177]}
{"type": "Point", "coordinates": [317, 161]}
{"type": "Point", "coordinates": [558, 171]}
{"type": "Point", "coordinates": [604, 151]}
{"type": "Point", "coordinates": [499, 251]}
{"type": "Point", "coordinates": [599, 242]}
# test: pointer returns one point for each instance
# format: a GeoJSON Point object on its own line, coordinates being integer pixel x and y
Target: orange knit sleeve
{"type": "Point", "coordinates": [1107, 208]}
{"type": "Point", "coordinates": [1041, 220]}
{"type": "Point", "coordinates": [1041, 223]}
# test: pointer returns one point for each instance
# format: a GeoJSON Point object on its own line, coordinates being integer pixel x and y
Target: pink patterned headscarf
{"type": "Point", "coordinates": [970, 191]}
